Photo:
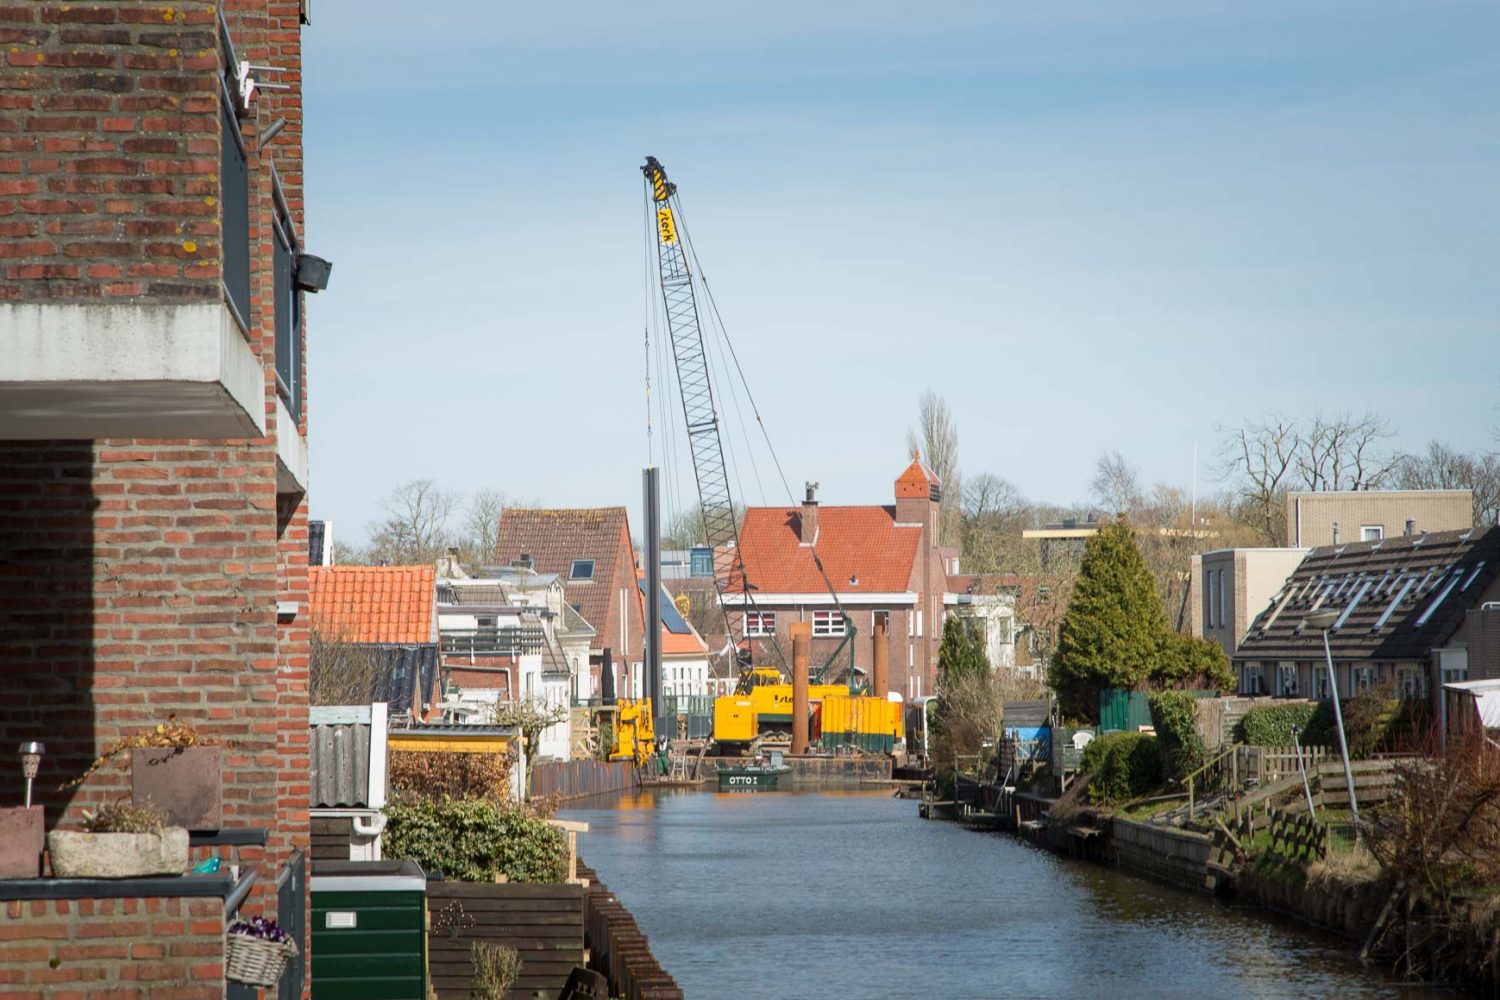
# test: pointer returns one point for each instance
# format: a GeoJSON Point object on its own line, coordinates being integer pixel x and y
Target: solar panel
{"type": "Point", "coordinates": [670, 618]}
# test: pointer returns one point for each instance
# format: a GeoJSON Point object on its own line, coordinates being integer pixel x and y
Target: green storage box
{"type": "Point", "coordinates": [369, 930]}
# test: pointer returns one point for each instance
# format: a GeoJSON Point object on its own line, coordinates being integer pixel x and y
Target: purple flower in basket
{"type": "Point", "coordinates": [259, 927]}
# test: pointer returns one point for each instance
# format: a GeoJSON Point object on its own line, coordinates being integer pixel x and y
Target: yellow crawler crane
{"type": "Point", "coordinates": [761, 707]}
{"type": "Point", "coordinates": [635, 734]}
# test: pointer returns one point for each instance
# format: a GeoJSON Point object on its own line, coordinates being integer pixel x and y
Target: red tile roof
{"type": "Point", "coordinates": [917, 481]}
{"type": "Point", "coordinates": [374, 604]}
{"type": "Point", "coordinates": [863, 543]}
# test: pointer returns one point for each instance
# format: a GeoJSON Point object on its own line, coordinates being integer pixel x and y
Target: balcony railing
{"type": "Point", "coordinates": [493, 641]}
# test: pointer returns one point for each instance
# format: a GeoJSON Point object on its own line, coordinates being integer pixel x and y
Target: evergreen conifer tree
{"type": "Point", "coordinates": [1113, 631]}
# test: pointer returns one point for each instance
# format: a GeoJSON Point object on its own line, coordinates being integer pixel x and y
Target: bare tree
{"type": "Point", "coordinates": [1266, 458]}
{"type": "Point", "coordinates": [481, 522]}
{"type": "Point", "coordinates": [342, 673]}
{"type": "Point", "coordinates": [1443, 468]}
{"type": "Point", "coordinates": [415, 530]}
{"type": "Point", "coordinates": [936, 438]}
{"type": "Point", "coordinates": [532, 716]}
{"type": "Point", "coordinates": [994, 513]}
{"type": "Point", "coordinates": [1116, 484]}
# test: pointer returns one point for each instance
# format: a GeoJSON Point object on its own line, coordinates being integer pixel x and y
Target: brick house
{"type": "Point", "coordinates": [1417, 611]}
{"type": "Point", "coordinates": [879, 560]}
{"type": "Point", "coordinates": [1227, 588]}
{"type": "Point", "coordinates": [1329, 517]}
{"type": "Point", "coordinates": [153, 456]}
{"type": "Point", "coordinates": [590, 550]}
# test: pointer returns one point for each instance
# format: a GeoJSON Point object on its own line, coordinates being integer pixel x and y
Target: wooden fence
{"type": "Point", "coordinates": [542, 922]}
{"type": "Point", "coordinates": [574, 779]}
{"type": "Point", "coordinates": [619, 950]}
{"type": "Point", "coordinates": [1265, 765]}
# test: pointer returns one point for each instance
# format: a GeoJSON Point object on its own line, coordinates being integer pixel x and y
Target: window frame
{"type": "Point", "coordinates": [829, 625]}
{"type": "Point", "coordinates": [1366, 529]}
{"type": "Point", "coordinates": [236, 298]}
{"type": "Point", "coordinates": [574, 577]}
{"type": "Point", "coordinates": [759, 630]}
{"type": "Point", "coordinates": [285, 246]}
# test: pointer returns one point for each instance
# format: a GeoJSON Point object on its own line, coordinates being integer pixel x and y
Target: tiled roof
{"type": "Point", "coordinates": [862, 543]}
{"type": "Point", "coordinates": [918, 481]}
{"type": "Point", "coordinates": [374, 604]}
{"type": "Point", "coordinates": [554, 538]}
{"type": "Point", "coordinates": [1398, 598]}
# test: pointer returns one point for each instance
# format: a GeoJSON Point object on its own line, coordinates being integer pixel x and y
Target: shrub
{"type": "Point", "coordinates": [496, 969]}
{"type": "Point", "coordinates": [1174, 716]}
{"type": "Point", "coordinates": [475, 839]}
{"type": "Point", "coordinates": [449, 774]}
{"type": "Point", "coordinates": [1187, 661]}
{"type": "Point", "coordinates": [1124, 766]}
{"type": "Point", "coordinates": [1271, 725]}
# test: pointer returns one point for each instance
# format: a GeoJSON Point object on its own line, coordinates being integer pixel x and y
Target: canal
{"type": "Point", "coordinates": [850, 894]}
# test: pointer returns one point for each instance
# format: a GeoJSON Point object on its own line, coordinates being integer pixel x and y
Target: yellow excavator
{"type": "Point", "coordinates": [635, 733]}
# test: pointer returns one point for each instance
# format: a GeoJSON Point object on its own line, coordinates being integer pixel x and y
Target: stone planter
{"type": "Point", "coordinates": [186, 784]}
{"type": "Point", "coordinates": [22, 836]}
{"type": "Point", "coordinates": [76, 854]}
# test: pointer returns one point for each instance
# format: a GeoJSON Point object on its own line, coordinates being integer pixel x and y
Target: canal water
{"type": "Point", "coordinates": [849, 894]}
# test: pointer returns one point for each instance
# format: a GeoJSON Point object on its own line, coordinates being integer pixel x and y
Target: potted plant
{"type": "Point", "coordinates": [174, 768]}
{"type": "Point", "coordinates": [22, 828]}
{"type": "Point", "coordinates": [256, 951]}
{"type": "Point", "coordinates": [121, 840]}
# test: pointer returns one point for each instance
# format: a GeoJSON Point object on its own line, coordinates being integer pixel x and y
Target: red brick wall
{"type": "Point", "coordinates": [109, 151]}
{"type": "Point", "coordinates": [102, 949]}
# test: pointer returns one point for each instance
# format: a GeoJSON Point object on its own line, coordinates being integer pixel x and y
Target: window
{"type": "Point", "coordinates": [701, 564]}
{"type": "Point", "coordinates": [582, 569]}
{"type": "Point", "coordinates": [1220, 599]}
{"type": "Point", "coordinates": [288, 304]}
{"type": "Point", "coordinates": [1286, 679]}
{"type": "Point", "coordinates": [1371, 532]}
{"type": "Point", "coordinates": [234, 193]}
{"type": "Point", "coordinates": [760, 623]}
{"type": "Point", "coordinates": [829, 623]}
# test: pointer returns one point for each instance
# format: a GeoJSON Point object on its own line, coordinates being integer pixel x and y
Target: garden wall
{"type": "Point", "coordinates": [543, 922]}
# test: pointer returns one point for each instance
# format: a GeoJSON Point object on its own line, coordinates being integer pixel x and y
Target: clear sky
{"type": "Point", "coordinates": [1089, 225]}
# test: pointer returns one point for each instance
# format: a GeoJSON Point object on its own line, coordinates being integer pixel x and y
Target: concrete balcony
{"type": "Point", "coordinates": [145, 370]}
{"type": "Point", "coordinates": [291, 453]}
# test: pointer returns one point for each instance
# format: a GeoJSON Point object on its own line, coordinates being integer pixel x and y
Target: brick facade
{"type": "Point", "coordinates": [141, 578]}
{"type": "Point", "coordinates": [102, 949]}
{"type": "Point", "coordinates": [1311, 516]}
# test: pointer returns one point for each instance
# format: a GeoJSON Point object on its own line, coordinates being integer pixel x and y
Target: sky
{"type": "Point", "coordinates": [1089, 226]}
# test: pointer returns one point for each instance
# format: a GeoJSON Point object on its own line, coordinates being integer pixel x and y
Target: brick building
{"type": "Point", "coordinates": [153, 455]}
{"type": "Point", "coordinates": [1416, 611]}
{"type": "Point", "coordinates": [1331, 517]}
{"type": "Point", "coordinates": [1227, 588]}
{"type": "Point", "coordinates": [590, 550]}
{"type": "Point", "coordinates": [879, 560]}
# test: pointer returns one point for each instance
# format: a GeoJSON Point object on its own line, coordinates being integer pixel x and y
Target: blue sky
{"type": "Point", "coordinates": [1088, 225]}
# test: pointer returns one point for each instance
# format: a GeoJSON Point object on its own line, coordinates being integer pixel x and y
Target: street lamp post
{"type": "Point", "coordinates": [1323, 621]}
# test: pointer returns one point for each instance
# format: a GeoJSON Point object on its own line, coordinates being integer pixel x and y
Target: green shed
{"type": "Point", "coordinates": [369, 930]}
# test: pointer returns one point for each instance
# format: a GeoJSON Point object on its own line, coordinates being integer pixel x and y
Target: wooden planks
{"type": "Point", "coordinates": [544, 923]}
{"type": "Point", "coordinates": [330, 838]}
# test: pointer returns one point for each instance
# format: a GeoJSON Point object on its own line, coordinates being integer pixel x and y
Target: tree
{"type": "Point", "coordinates": [1443, 468]}
{"type": "Point", "coordinates": [1116, 484]}
{"type": "Point", "coordinates": [936, 438]}
{"type": "Point", "coordinates": [993, 513]}
{"type": "Point", "coordinates": [342, 673]}
{"type": "Point", "coordinates": [685, 530]}
{"type": "Point", "coordinates": [968, 709]}
{"type": "Point", "coordinates": [481, 523]}
{"type": "Point", "coordinates": [532, 716]}
{"type": "Point", "coordinates": [1270, 456]}
{"type": "Point", "coordinates": [1112, 632]}
{"type": "Point", "coordinates": [961, 650]}
{"type": "Point", "coordinates": [415, 530]}
{"type": "Point", "coordinates": [1186, 661]}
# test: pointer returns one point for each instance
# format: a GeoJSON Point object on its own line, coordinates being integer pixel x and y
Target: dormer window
{"type": "Point", "coordinates": [582, 569]}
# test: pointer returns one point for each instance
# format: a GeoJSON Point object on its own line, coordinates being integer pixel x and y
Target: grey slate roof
{"type": "Point", "coordinates": [1398, 598]}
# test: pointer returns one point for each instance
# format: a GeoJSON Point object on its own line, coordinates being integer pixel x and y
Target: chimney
{"type": "Point", "coordinates": [809, 526]}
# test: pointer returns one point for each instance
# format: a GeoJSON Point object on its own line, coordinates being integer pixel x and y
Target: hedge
{"type": "Point", "coordinates": [1174, 716]}
{"type": "Point", "coordinates": [1271, 725]}
{"type": "Point", "coordinates": [1123, 766]}
{"type": "Point", "coordinates": [475, 839]}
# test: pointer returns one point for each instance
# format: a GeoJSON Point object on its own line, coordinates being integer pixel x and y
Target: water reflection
{"type": "Point", "coordinates": [849, 894]}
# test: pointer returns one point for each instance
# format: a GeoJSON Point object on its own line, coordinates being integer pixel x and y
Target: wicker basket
{"type": "Point", "coordinates": [255, 960]}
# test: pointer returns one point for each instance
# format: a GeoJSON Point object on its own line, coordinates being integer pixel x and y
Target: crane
{"type": "Point", "coordinates": [685, 330]}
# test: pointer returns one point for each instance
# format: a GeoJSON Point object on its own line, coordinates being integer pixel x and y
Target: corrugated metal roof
{"type": "Point", "coordinates": [340, 755]}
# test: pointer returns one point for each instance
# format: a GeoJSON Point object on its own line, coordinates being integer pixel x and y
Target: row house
{"type": "Point", "coordinates": [1415, 611]}
{"type": "Point", "coordinates": [153, 455]}
{"type": "Point", "coordinates": [590, 552]}
{"type": "Point", "coordinates": [882, 563]}
{"type": "Point", "coordinates": [376, 631]}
